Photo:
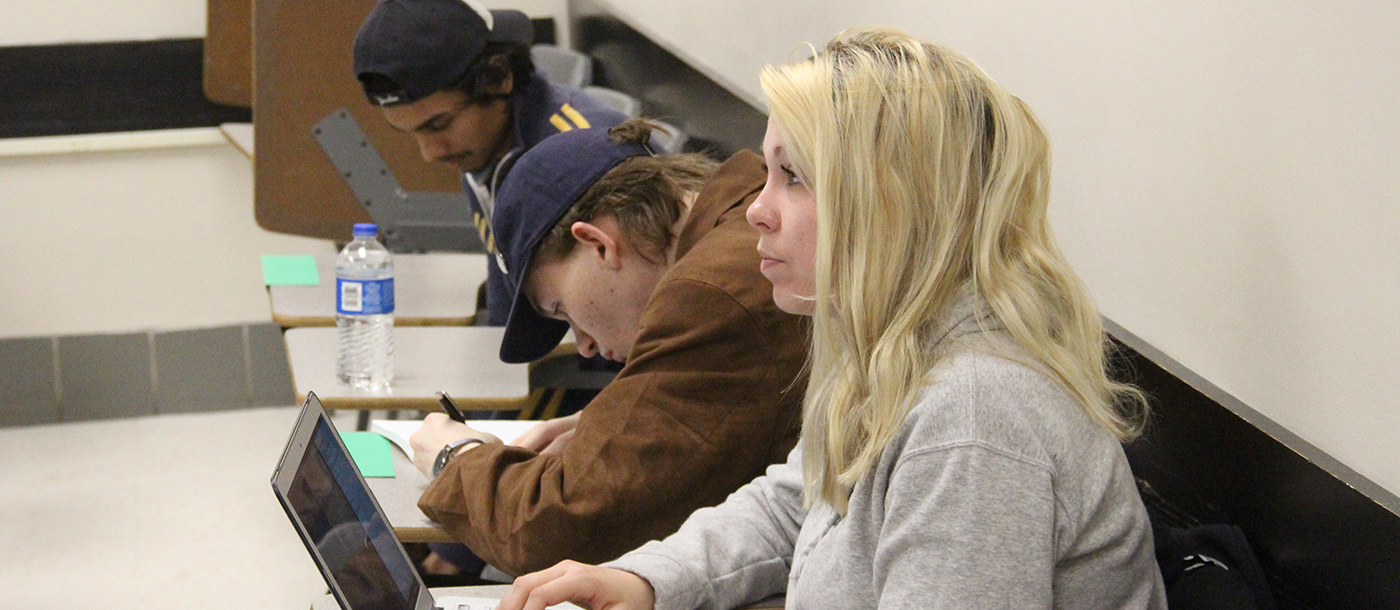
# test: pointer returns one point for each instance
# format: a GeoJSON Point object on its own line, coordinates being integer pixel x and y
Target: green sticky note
{"type": "Point", "coordinates": [371, 453]}
{"type": "Point", "coordinates": [281, 270]}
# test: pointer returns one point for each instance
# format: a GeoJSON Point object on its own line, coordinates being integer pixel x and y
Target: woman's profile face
{"type": "Point", "coordinates": [785, 215]}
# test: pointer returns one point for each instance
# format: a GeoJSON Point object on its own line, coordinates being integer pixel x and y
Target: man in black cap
{"type": "Point", "coordinates": [458, 78]}
{"type": "Point", "coordinates": [650, 260]}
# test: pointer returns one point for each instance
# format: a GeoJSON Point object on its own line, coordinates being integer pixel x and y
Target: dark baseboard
{"type": "Point", "coordinates": [1326, 536]}
{"type": "Point", "coordinates": [544, 30]}
{"type": "Point", "coordinates": [107, 87]}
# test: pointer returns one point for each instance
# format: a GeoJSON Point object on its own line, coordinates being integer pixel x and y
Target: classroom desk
{"type": "Point", "coordinates": [240, 135]}
{"type": "Point", "coordinates": [399, 499]}
{"type": "Point", "coordinates": [459, 360]}
{"type": "Point", "coordinates": [436, 289]}
{"type": "Point", "coordinates": [327, 601]}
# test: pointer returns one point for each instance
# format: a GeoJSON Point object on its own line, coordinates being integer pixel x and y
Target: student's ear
{"type": "Point", "coordinates": [507, 84]}
{"type": "Point", "coordinates": [599, 241]}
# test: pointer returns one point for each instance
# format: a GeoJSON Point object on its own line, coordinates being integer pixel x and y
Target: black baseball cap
{"type": "Point", "coordinates": [541, 187]}
{"type": "Point", "coordinates": [424, 46]}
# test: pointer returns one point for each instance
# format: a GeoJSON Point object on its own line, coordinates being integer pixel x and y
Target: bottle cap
{"type": "Point", "coordinates": [366, 229]}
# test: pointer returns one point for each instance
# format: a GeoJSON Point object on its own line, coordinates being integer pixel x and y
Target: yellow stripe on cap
{"type": "Point", "coordinates": [559, 123]}
{"type": "Point", "coordinates": [574, 116]}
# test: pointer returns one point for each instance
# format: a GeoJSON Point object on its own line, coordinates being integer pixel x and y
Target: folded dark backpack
{"type": "Point", "coordinates": [1211, 567]}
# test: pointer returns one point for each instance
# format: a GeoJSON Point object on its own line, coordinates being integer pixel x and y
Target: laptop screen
{"type": "Point", "coordinates": [358, 553]}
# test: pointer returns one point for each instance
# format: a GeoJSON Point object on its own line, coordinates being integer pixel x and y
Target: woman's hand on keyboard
{"type": "Point", "coordinates": [588, 586]}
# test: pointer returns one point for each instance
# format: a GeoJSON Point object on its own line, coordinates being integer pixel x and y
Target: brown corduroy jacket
{"type": "Point", "coordinates": [710, 395]}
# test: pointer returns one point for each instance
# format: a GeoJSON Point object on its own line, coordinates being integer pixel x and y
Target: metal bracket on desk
{"type": "Point", "coordinates": [408, 222]}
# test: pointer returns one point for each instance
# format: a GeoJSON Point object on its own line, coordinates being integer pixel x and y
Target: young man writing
{"type": "Point", "coordinates": [649, 260]}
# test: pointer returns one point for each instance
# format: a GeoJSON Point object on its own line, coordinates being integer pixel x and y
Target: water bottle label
{"type": "Point", "coordinates": [368, 297]}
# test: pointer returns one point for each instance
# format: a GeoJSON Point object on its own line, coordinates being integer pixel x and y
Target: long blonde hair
{"type": "Point", "coordinates": [928, 177]}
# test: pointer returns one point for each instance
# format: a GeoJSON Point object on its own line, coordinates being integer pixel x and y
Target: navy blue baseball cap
{"type": "Point", "coordinates": [425, 46]}
{"type": "Point", "coordinates": [539, 190]}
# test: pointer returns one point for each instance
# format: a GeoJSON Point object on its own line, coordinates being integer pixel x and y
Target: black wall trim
{"type": "Point", "coordinates": [1327, 537]}
{"type": "Point", "coordinates": [544, 30]}
{"type": "Point", "coordinates": [106, 87]}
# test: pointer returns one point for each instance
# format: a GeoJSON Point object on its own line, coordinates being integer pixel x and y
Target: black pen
{"type": "Point", "coordinates": [451, 409]}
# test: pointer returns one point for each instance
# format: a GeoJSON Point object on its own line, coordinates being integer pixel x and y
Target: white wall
{"type": "Point", "coordinates": [125, 241]}
{"type": "Point", "coordinates": [114, 242]}
{"type": "Point", "coordinates": [1227, 174]}
{"type": "Point", "coordinates": [63, 21]}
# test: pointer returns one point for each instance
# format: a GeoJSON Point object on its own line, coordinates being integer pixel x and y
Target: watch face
{"type": "Point", "coordinates": [446, 453]}
{"type": "Point", "coordinates": [441, 460]}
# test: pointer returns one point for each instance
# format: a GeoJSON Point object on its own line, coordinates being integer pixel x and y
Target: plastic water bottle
{"type": "Point", "coordinates": [364, 310]}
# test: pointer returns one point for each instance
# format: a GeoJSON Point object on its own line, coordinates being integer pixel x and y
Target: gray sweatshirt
{"type": "Point", "coordinates": [997, 492]}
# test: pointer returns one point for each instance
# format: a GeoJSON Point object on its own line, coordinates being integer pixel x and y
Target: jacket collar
{"type": "Point", "coordinates": [730, 187]}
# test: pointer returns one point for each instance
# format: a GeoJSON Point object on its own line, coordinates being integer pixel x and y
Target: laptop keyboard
{"type": "Point", "coordinates": [483, 603]}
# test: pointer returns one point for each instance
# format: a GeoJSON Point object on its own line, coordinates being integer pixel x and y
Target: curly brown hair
{"type": "Point", "coordinates": [644, 194]}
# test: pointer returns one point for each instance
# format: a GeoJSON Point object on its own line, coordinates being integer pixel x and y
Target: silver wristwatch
{"type": "Point", "coordinates": [449, 450]}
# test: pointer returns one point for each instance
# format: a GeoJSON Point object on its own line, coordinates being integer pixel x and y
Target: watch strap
{"type": "Point", "coordinates": [449, 450]}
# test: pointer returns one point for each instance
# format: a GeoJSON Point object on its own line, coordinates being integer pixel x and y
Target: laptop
{"type": "Point", "coordinates": [343, 526]}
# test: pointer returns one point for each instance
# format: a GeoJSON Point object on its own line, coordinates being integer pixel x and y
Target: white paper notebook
{"type": "Point", "coordinates": [398, 430]}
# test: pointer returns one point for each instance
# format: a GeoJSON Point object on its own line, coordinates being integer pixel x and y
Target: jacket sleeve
{"type": "Point", "coordinates": [733, 554]}
{"type": "Point", "coordinates": [706, 401]}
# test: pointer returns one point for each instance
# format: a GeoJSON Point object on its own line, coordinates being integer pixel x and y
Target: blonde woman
{"type": "Point", "coordinates": [961, 441]}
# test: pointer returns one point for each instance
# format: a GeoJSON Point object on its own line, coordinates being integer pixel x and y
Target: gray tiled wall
{"type": "Point", "coordinates": [200, 370]}
{"type": "Point", "coordinates": [74, 378]}
{"type": "Point", "coordinates": [104, 376]}
{"type": "Point", "coordinates": [28, 385]}
{"type": "Point", "coordinates": [269, 373]}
